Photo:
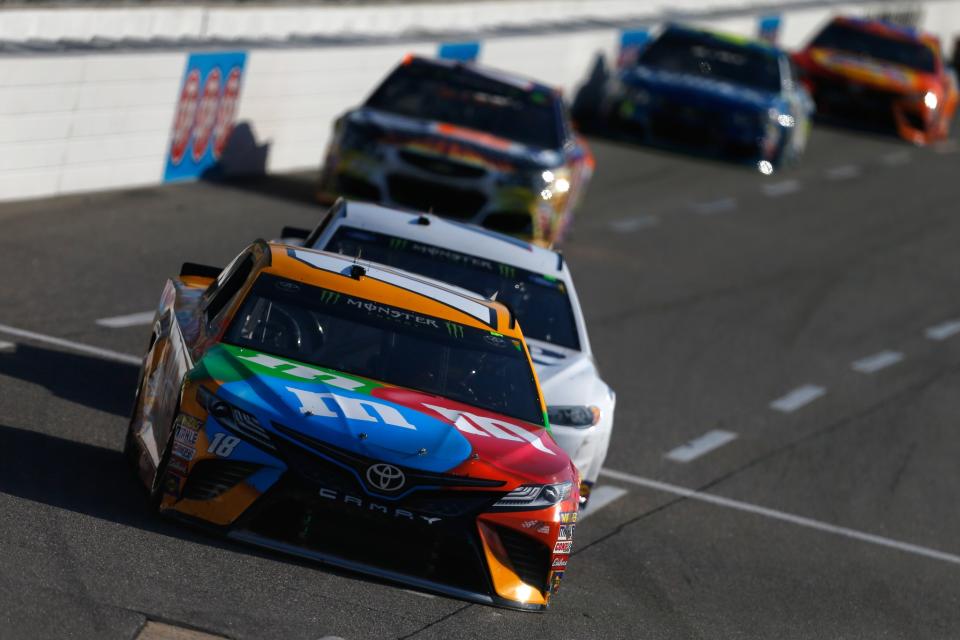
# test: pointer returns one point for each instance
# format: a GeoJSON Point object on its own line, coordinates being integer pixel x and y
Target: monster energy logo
{"type": "Point", "coordinates": [507, 271]}
{"type": "Point", "coordinates": [454, 329]}
{"type": "Point", "coordinates": [398, 243]}
{"type": "Point", "coordinates": [329, 297]}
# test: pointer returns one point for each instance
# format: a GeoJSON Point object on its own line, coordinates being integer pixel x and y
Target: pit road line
{"type": "Point", "coordinates": [876, 362]}
{"type": "Point", "coordinates": [943, 330]}
{"type": "Point", "coordinates": [712, 207]}
{"type": "Point", "coordinates": [797, 398]}
{"type": "Point", "coordinates": [6, 346]}
{"type": "Point", "coordinates": [843, 172]}
{"type": "Point", "coordinates": [129, 320]}
{"type": "Point", "coordinates": [782, 188]}
{"type": "Point", "coordinates": [599, 498]}
{"type": "Point", "coordinates": [782, 516]}
{"type": "Point", "coordinates": [701, 446]}
{"type": "Point", "coordinates": [106, 354]}
{"type": "Point", "coordinates": [629, 225]}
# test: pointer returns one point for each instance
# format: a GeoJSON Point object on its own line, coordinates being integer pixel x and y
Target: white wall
{"type": "Point", "coordinates": [80, 122]}
{"type": "Point", "coordinates": [73, 123]}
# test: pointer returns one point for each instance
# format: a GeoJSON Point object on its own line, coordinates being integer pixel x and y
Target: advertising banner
{"type": "Point", "coordinates": [206, 108]}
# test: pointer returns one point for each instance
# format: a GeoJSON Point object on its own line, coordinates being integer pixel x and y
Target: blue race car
{"type": "Point", "coordinates": [712, 93]}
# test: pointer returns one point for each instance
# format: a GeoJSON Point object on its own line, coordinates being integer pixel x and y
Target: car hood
{"type": "Point", "coordinates": [451, 140]}
{"type": "Point", "coordinates": [391, 424]}
{"type": "Point", "coordinates": [567, 377]}
{"type": "Point", "coordinates": [869, 71]}
{"type": "Point", "coordinates": [697, 90]}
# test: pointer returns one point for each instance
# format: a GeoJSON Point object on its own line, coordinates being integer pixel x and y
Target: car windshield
{"type": "Point", "coordinates": [394, 345]}
{"type": "Point", "coordinates": [459, 97]}
{"type": "Point", "coordinates": [541, 303]}
{"type": "Point", "coordinates": [713, 57]}
{"type": "Point", "coordinates": [842, 37]}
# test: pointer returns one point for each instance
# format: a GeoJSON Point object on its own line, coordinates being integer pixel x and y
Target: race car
{"type": "Point", "coordinates": [464, 142]}
{"type": "Point", "coordinates": [337, 410]}
{"type": "Point", "coordinates": [535, 283]}
{"type": "Point", "coordinates": [878, 75]}
{"type": "Point", "coordinates": [712, 93]}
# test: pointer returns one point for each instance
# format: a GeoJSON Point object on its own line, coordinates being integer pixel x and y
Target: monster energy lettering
{"type": "Point", "coordinates": [329, 297]}
{"type": "Point", "coordinates": [454, 329]}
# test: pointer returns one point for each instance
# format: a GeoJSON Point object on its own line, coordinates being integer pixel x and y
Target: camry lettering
{"type": "Point", "coordinates": [304, 372]}
{"type": "Point", "coordinates": [330, 494]}
{"type": "Point", "coordinates": [483, 426]}
{"type": "Point", "coordinates": [332, 405]}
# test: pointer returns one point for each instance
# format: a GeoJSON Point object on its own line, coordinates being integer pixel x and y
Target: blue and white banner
{"type": "Point", "coordinates": [206, 108]}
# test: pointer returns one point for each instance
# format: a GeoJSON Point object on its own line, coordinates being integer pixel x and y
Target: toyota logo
{"type": "Point", "coordinates": [385, 477]}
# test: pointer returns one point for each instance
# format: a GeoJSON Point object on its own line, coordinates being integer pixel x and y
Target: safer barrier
{"type": "Point", "coordinates": [86, 120]}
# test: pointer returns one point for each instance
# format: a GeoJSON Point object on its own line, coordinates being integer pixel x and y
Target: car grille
{"type": "Point", "coordinates": [211, 478]}
{"type": "Point", "coordinates": [530, 558]}
{"type": "Point", "coordinates": [854, 101]}
{"type": "Point", "coordinates": [441, 165]}
{"type": "Point", "coordinates": [292, 513]}
{"type": "Point", "coordinates": [424, 195]}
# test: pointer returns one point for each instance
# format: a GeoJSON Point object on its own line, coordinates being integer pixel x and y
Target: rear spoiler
{"type": "Point", "coordinates": [199, 270]}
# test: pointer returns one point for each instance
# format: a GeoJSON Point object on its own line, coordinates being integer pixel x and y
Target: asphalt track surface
{"type": "Point", "coordinates": [718, 300]}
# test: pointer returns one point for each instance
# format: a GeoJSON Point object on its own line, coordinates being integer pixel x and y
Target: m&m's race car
{"type": "Point", "coordinates": [346, 412]}
{"type": "Point", "coordinates": [463, 142]}
{"type": "Point", "coordinates": [878, 75]}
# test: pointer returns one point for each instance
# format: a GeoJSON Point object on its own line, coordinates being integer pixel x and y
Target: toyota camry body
{"type": "Point", "coordinates": [346, 412]}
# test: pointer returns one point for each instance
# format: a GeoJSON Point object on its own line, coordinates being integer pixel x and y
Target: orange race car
{"type": "Point", "coordinates": [878, 75]}
{"type": "Point", "coordinates": [348, 413]}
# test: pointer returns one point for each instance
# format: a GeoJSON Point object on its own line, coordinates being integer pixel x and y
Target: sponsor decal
{"type": "Point", "coordinates": [544, 529]}
{"type": "Point", "coordinates": [186, 436]}
{"type": "Point", "coordinates": [461, 51]}
{"type": "Point", "coordinates": [483, 426]}
{"type": "Point", "coordinates": [188, 422]}
{"type": "Point", "coordinates": [223, 445]}
{"type": "Point", "coordinates": [568, 517]}
{"type": "Point", "coordinates": [183, 452]}
{"type": "Point", "coordinates": [206, 109]}
{"type": "Point", "coordinates": [389, 511]}
{"type": "Point", "coordinates": [175, 464]}
{"type": "Point", "coordinates": [632, 42]}
{"type": "Point", "coordinates": [389, 312]}
{"type": "Point", "coordinates": [529, 524]}
{"type": "Point", "coordinates": [563, 547]}
{"type": "Point", "coordinates": [560, 562]}
{"type": "Point", "coordinates": [303, 372]}
{"type": "Point", "coordinates": [566, 532]}
{"type": "Point", "coordinates": [555, 578]}
{"type": "Point", "coordinates": [496, 341]}
{"type": "Point", "coordinates": [171, 484]}
{"type": "Point", "coordinates": [334, 405]}
{"type": "Point", "coordinates": [768, 28]}
{"type": "Point", "coordinates": [454, 329]}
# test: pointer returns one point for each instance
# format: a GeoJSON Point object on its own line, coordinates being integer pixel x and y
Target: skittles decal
{"type": "Point", "coordinates": [206, 108]}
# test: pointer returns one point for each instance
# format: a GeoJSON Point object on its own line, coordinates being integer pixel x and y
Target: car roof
{"type": "Point", "coordinates": [728, 38]}
{"type": "Point", "coordinates": [884, 28]}
{"type": "Point", "coordinates": [377, 283]}
{"type": "Point", "coordinates": [455, 236]}
{"type": "Point", "coordinates": [496, 75]}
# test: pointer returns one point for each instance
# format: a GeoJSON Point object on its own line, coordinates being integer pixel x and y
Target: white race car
{"type": "Point", "coordinates": [534, 282]}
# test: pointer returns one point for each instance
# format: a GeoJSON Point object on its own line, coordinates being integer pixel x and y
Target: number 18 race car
{"type": "Point", "coordinates": [314, 405]}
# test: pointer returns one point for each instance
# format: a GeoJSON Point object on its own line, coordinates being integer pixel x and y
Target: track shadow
{"type": "Point", "coordinates": [243, 166]}
{"type": "Point", "coordinates": [92, 382]}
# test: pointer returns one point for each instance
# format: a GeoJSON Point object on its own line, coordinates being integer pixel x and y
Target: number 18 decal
{"type": "Point", "coordinates": [223, 445]}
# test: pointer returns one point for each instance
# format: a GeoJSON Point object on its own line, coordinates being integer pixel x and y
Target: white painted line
{"type": "Point", "coordinates": [876, 362]}
{"type": "Point", "coordinates": [843, 172]}
{"type": "Point", "coordinates": [798, 398]}
{"type": "Point", "coordinates": [723, 205]}
{"type": "Point", "coordinates": [704, 444]}
{"type": "Point", "coordinates": [600, 498]}
{"type": "Point", "coordinates": [783, 516]}
{"type": "Point", "coordinates": [782, 188]}
{"type": "Point", "coordinates": [946, 146]}
{"type": "Point", "coordinates": [6, 346]}
{"type": "Point", "coordinates": [106, 354]}
{"type": "Point", "coordinates": [131, 320]}
{"type": "Point", "coordinates": [629, 225]}
{"type": "Point", "coordinates": [896, 158]}
{"type": "Point", "coordinates": [943, 330]}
